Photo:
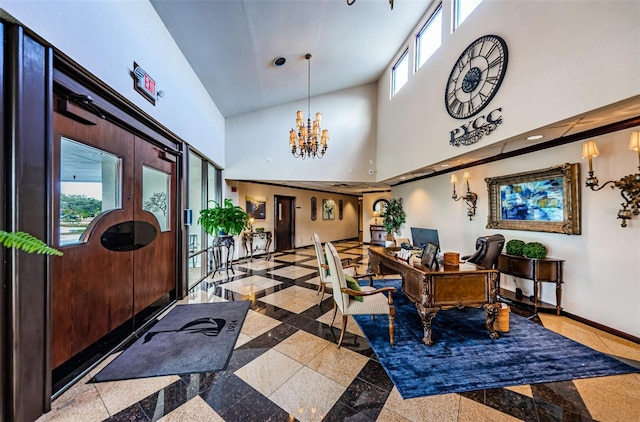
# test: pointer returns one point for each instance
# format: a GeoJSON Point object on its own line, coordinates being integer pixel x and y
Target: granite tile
{"type": "Point", "coordinates": [83, 405]}
{"type": "Point", "coordinates": [269, 371]}
{"type": "Point", "coordinates": [471, 411]}
{"type": "Point", "coordinates": [433, 408]}
{"type": "Point", "coordinates": [302, 346]}
{"type": "Point", "coordinates": [195, 410]}
{"type": "Point", "coordinates": [307, 395]}
{"type": "Point", "coordinates": [341, 365]}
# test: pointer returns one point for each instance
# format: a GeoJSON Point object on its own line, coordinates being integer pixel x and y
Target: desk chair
{"type": "Point", "coordinates": [488, 249]}
{"type": "Point", "coordinates": [373, 301]}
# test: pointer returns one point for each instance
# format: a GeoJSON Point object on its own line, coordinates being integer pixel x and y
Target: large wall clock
{"type": "Point", "coordinates": [476, 77]}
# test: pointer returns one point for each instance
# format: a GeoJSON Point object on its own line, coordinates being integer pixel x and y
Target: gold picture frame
{"type": "Point", "coordinates": [546, 200]}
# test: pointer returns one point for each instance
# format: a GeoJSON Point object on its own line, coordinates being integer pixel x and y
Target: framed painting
{"type": "Point", "coordinates": [328, 209]}
{"type": "Point", "coordinates": [256, 207]}
{"type": "Point", "coordinates": [429, 255]}
{"type": "Point", "coordinates": [546, 200]}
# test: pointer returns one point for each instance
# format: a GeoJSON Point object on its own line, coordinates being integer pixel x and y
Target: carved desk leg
{"type": "Point", "coordinates": [427, 315]}
{"type": "Point", "coordinates": [492, 309]}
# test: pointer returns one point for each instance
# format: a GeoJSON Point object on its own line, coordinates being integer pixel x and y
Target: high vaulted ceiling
{"type": "Point", "coordinates": [232, 45]}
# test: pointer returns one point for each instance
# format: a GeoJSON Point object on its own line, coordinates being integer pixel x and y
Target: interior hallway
{"type": "Point", "coordinates": [286, 366]}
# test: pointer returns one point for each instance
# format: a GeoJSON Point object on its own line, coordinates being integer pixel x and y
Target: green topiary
{"type": "Point", "coordinates": [515, 247]}
{"type": "Point", "coordinates": [534, 250]}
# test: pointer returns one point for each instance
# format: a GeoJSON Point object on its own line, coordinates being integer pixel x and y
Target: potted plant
{"type": "Point", "coordinates": [225, 219]}
{"type": "Point", "coordinates": [393, 216]}
{"type": "Point", "coordinates": [26, 242]}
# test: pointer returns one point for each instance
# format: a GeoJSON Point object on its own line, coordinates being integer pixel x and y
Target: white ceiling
{"type": "Point", "coordinates": [231, 46]}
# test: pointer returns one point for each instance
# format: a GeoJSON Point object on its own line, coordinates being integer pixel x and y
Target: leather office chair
{"type": "Point", "coordinates": [488, 249]}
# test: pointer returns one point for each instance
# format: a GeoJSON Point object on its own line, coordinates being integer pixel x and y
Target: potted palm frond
{"type": "Point", "coordinates": [225, 219]}
{"type": "Point", "coordinates": [26, 242]}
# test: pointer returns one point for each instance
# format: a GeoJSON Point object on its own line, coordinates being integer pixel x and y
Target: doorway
{"type": "Point", "coordinates": [114, 201]}
{"type": "Point", "coordinates": [284, 222]}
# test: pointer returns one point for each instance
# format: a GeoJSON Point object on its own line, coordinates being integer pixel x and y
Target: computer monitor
{"type": "Point", "coordinates": [420, 237]}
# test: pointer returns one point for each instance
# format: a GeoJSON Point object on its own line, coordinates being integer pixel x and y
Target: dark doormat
{"type": "Point", "coordinates": [464, 358]}
{"type": "Point", "coordinates": [189, 339]}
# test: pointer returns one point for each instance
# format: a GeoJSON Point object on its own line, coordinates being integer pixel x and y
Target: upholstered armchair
{"type": "Point", "coordinates": [488, 249]}
{"type": "Point", "coordinates": [323, 268]}
{"type": "Point", "coordinates": [373, 301]}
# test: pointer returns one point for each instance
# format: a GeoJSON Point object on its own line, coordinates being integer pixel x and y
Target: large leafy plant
{"type": "Point", "coordinates": [394, 216]}
{"type": "Point", "coordinates": [26, 242]}
{"type": "Point", "coordinates": [223, 219]}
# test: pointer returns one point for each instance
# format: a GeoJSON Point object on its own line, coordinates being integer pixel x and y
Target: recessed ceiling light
{"type": "Point", "coordinates": [444, 165]}
{"type": "Point", "coordinates": [279, 61]}
{"type": "Point", "coordinates": [403, 178]}
{"type": "Point", "coordinates": [534, 137]}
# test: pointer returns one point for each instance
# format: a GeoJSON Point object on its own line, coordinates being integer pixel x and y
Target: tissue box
{"type": "Point", "coordinates": [451, 259]}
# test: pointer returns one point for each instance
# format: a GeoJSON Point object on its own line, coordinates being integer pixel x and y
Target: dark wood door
{"type": "Point", "coordinates": [285, 222]}
{"type": "Point", "coordinates": [124, 258]}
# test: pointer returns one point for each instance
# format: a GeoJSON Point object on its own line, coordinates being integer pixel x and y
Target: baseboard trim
{"type": "Point", "coordinates": [601, 327]}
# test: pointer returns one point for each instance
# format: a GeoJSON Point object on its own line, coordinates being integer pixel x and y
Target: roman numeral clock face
{"type": "Point", "coordinates": [476, 77]}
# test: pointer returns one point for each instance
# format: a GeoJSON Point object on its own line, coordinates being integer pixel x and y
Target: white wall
{"type": "Point", "coordinates": [565, 58]}
{"type": "Point", "coordinates": [258, 142]}
{"type": "Point", "coordinates": [328, 230]}
{"type": "Point", "coordinates": [106, 37]}
{"type": "Point", "coordinates": [602, 265]}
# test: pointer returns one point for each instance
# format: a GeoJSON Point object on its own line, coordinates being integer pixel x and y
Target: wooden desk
{"type": "Point", "coordinates": [445, 288]}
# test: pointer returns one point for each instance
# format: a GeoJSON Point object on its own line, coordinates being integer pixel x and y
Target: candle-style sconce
{"type": "Point", "coordinates": [629, 185]}
{"type": "Point", "coordinates": [470, 198]}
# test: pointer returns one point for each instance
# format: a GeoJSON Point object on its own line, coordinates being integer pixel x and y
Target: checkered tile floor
{"type": "Point", "coordinates": [286, 366]}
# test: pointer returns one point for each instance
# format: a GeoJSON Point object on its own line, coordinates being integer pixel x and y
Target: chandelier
{"type": "Point", "coordinates": [350, 2]}
{"type": "Point", "coordinates": [308, 141]}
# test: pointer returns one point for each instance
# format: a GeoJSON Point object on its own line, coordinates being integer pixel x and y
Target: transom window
{"type": "Point", "coordinates": [429, 38]}
{"type": "Point", "coordinates": [463, 9]}
{"type": "Point", "coordinates": [400, 73]}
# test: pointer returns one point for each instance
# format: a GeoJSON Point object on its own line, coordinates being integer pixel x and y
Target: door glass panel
{"type": "Point", "coordinates": [90, 183]}
{"type": "Point", "coordinates": [195, 230]}
{"type": "Point", "coordinates": [155, 195]}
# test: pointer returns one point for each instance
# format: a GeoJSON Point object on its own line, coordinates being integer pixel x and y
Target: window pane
{"type": "Point", "coordinates": [155, 195]}
{"type": "Point", "coordinates": [430, 37]}
{"type": "Point", "coordinates": [89, 185]}
{"type": "Point", "coordinates": [195, 230]}
{"type": "Point", "coordinates": [464, 9]}
{"type": "Point", "coordinates": [400, 72]}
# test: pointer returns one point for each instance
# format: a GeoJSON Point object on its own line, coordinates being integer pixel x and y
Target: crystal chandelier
{"type": "Point", "coordinates": [308, 141]}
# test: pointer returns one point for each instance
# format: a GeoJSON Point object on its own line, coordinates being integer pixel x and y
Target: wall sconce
{"type": "Point", "coordinates": [377, 214]}
{"type": "Point", "coordinates": [470, 198]}
{"type": "Point", "coordinates": [629, 185]}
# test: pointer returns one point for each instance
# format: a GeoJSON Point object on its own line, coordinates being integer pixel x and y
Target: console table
{"type": "Point", "coordinates": [441, 289]}
{"type": "Point", "coordinates": [378, 235]}
{"type": "Point", "coordinates": [250, 236]}
{"type": "Point", "coordinates": [537, 270]}
{"type": "Point", "coordinates": [223, 249]}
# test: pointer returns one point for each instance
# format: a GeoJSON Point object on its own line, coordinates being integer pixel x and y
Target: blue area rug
{"type": "Point", "coordinates": [464, 358]}
{"type": "Point", "coordinates": [189, 339]}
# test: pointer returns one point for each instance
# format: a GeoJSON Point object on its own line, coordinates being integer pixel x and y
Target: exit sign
{"type": "Point", "coordinates": [144, 84]}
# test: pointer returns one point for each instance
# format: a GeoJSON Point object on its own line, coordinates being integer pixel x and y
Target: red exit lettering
{"type": "Point", "coordinates": [149, 84]}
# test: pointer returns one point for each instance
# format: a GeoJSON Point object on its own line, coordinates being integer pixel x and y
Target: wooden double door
{"type": "Point", "coordinates": [114, 205]}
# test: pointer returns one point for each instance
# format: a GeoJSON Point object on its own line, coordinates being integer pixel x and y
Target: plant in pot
{"type": "Point", "coordinates": [225, 219]}
{"type": "Point", "coordinates": [393, 216]}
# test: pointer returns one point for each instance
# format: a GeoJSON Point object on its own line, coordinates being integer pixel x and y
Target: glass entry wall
{"type": "Point", "coordinates": [204, 186]}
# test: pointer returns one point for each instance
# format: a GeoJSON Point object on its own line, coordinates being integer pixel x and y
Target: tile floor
{"type": "Point", "coordinates": [286, 367]}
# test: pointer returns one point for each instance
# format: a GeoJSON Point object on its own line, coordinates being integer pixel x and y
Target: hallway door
{"type": "Point", "coordinates": [113, 204]}
{"type": "Point", "coordinates": [284, 223]}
